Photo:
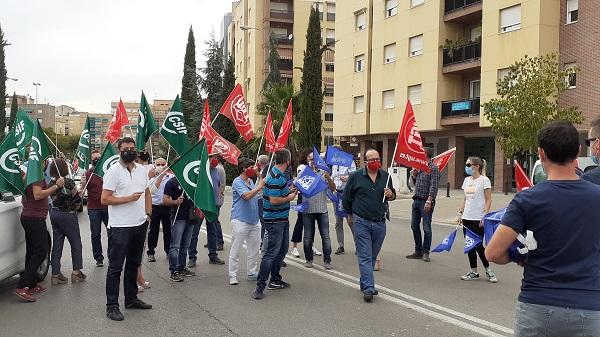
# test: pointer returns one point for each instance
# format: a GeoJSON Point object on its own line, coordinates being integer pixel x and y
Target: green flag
{"type": "Point", "coordinates": [38, 152]}
{"type": "Point", "coordinates": [10, 172]}
{"type": "Point", "coordinates": [84, 153]}
{"type": "Point", "coordinates": [192, 171]}
{"type": "Point", "coordinates": [146, 124]}
{"type": "Point", "coordinates": [174, 129]}
{"type": "Point", "coordinates": [109, 157]}
{"type": "Point", "coordinates": [23, 130]}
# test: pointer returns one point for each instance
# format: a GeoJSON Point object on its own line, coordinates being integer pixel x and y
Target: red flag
{"type": "Point", "coordinates": [286, 128]}
{"type": "Point", "coordinates": [75, 166]}
{"type": "Point", "coordinates": [219, 145]}
{"type": "Point", "coordinates": [269, 134]}
{"type": "Point", "coordinates": [118, 121]}
{"type": "Point", "coordinates": [442, 159]}
{"type": "Point", "coordinates": [236, 110]}
{"type": "Point", "coordinates": [205, 121]}
{"type": "Point", "coordinates": [410, 150]}
{"type": "Point", "coordinates": [521, 178]}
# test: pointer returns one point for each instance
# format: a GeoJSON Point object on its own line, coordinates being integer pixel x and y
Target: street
{"type": "Point", "coordinates": [416, 298]}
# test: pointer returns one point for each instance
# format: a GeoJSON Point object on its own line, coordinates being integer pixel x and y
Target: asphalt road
{"type": "Point", "coordinates": [416, 298]}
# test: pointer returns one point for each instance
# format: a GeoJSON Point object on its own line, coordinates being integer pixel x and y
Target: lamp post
{"type": "Point", "coordinates": [36, 84]}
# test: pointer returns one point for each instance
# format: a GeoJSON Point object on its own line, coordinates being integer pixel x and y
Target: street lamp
{"type": "Point", "coordinates": [36, 84]}
{"type": "Point", "coordinates": [247, 28]}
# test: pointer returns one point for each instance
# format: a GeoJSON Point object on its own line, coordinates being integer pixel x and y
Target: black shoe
{"type": "Point", "coordinates": [206, 245]}
{"type": "Point", "coordinates": [113, 313]}
{"type": "Point", "coordinates": [340, 251]}
{"type": "Point", "coordinates": [216, 260]}
{"type": "Point", "coordinates": [220, 247]}
{"type": "Point", "coordinates": [186, 273]}
{"type": "Point", "coordinates": [283, 264]}
{"type": "Point", "coordinates": [368, 296]}
{"type": "Point", "coordinates": [375, 292]}
{"type": "Point", "coordinates": [277, 285]}
{"type": "Point", "coordinates": [99, 263]}
{"type": "Point", "coordinates": [176, 277]}
{"type": "Point", "coordinates": [138, 304]}
{"type": "Point", "coordinates": [415, 256]}
{"type": "Point", "coordinates": [258, 294]}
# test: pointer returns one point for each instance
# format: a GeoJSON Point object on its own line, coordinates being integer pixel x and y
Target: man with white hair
{"type": "Point", "coordinates": [160, 212]}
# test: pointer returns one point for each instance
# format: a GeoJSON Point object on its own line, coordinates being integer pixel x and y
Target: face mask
{"type": "Point", "coordinates": [374, 165]}
{"type": "Point", "coordinates": [214, 162]}
{"type": "Point", "coordinates": [160, 169]}
{"type": "Point", "coordinates": [144, 156]}
{"type": "Point", "coordinates": [469, 170]}
{"type": "Point", "coordinates": [128, 156]}
{"type": "Point", "coordinates": [250, 172]}
{"type": "Point", "coordinates": [95, 162]}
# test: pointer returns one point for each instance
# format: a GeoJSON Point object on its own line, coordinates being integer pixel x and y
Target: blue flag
{"type": "Point", "coordinates": [336, 199]}
{"type": "Point", "coordinates": [445, 245]}
{"type": "Point", "coordinates": [319, 162]}
{"type": "Point", "coordinates": [300, 208]}
{"type": "Point", "coordinates": [309, 183]}
{"type": "Point", "coordinates": [335, 156]}
{"type": "Point", "coordinates": [471, 240]}
{"type": "Point", "coordinates": [491, 221]}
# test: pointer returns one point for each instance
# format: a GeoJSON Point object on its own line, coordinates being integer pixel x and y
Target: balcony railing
{"type": "Point", "coordinates": [283, 39]}
{"type": "Point", "coordinates": [469, 52]}
{"type": "Point", "coordinates": [452, 5]}
{"type": "Point", "coordinates": [461, 108]}
{"type": "Point", "coordinates": [282, 14]}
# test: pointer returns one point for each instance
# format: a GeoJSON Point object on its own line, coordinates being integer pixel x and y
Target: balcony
{"type": "Point", "coordinates": [463, 11]}
{"type": "Point", "coordinates": [283, 39]}
{"type": "Point", "coordinates": [460, 111]}
{"type": "Point", "coordinates": [462, 59]}
{"type": "Point", "coordinates": [282, 14]}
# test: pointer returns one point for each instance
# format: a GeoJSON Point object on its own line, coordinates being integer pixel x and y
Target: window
{"type": "Point", "coordinates": [359, 104]}
{"type": "Point", "coordinates": [415, 3]}
{"type": "Point", "coordinates": [475, 33]}
{"type": "Point", "coordinates": [330, 12]}
{"type": "Point", "coordinates": [319, 8]}
{"type": "Point", "coordinates": [329, 112]}
{"type": "Point", "coordinates": [571, 77]}
{"type": "Point", "coordinates": [389, 53]}
{"type": "Point", "coordinates": [328, 140]}
{"type": "Point", "coordinates": [475, 89]}
{"type": "Point", "coordinates": [359, 63]}
{"type": "Point", "coordinates": [328, 92]}
{"type": "Point", "coordinates": [361, 21]}
{"type": "Point", "coordinates": [391, 8]}
{"type": "Point", "coordinates": [416, 45]}
{"type": "Point", "coordinates": [572, 11]}
{"type": "Point", "coordinates": [388, 99]}
{"type": "Point", "coordinates": [414, 94]}
{"type": "Point", "coordinates": [330, 34]}
{"type": "Point", "coordinates": [330, 67]}
{"type": "Point", "coordinates": [510, 19]}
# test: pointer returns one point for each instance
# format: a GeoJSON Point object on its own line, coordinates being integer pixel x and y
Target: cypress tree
{"type": "Point", "coordinates": [190, 95]}
{"type": "Point", "coordinates": [274, 77]}
{"type": "Point", "coordinates": [3, 80]}
{"type": "Point", "coordinates": [224, 126]}
{"type": "Point", "coordinates": [212, 80]}
{"type": "Point", "coordinates": [14, 106]}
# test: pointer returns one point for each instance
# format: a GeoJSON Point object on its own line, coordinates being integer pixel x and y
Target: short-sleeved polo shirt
{"type": "Point", "coordinates": [122, 183]}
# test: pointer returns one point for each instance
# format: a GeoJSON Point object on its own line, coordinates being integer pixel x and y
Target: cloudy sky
{"type": "Point", "coordinates": [86, 53]}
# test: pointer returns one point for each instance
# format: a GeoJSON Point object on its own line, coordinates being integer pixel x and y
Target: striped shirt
{"type": "Point", "coordinates": [276, 185]}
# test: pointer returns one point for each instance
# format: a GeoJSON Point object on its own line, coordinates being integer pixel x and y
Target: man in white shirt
{"type": "Point", "coordinates": [160, 212]}
{"type": "Point", "coordinates": [125, 191]}
{"type": "Point", "coordinates": [340, 175]}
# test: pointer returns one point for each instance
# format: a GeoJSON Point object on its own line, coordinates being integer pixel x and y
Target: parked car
{"type": "Point", "coordinates": [538, 175]}
{"type": "Point", "coordinates": [12, 241]}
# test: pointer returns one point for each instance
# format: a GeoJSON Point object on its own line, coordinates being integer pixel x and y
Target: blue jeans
{"type": "Point", "coordinates": [535, 320]}
{"type": "Point", "coordinates": [368, 238]}
{"type": "Point", "coordinates": [418, 213]}
{"type": "Point", "coordinates": [322, 220]}
{"type": "Point", "coordinates": [211, 235]}
{"type": "Point", "coordinates": [97, 217]}
{"type": "Point", "coordinates": [219, 230]}
{"type": "Point", "coordinates": [181, 235]}
{"type": "Point", "coordinates": [276, 248]}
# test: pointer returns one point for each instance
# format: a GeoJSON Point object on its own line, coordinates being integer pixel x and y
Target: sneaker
{"type": "Point", "coordinates": [284, 284]}
{"type": "Point", "coordinates": [233, 280]}
{"type": "Point", "coordinates": [368, 296]}
{"type": "Point", "coordinates": [78, 277]}
{"type": "Point", "coordinates": [277, 285]}
{"type": "Point", "coordinates": [258, 294]}
{"type": "Point", "coordinates": [38, 289]}
{"type": "Point", "coordinates": [151, 258]}
{"type": "Point", "coordinates": [470, 276]}
{"type": "Point", "coordinates": [295, 252]}
{"type": "Point", "coordinates": [340, 251]}
{"type": "Point", "coordinates": [113, 313]}
{"type": "Point", "coordinates": [58, 279]}
{"type": "Point", "coordinates": [191, 264]}
{"type": "Point", "coordinates": [206, 245]}
{"type": "Point", "coordinates": [328, 266]}
{"type": "Point", "coordinates": [216, 260]}
{"type": "Point", "coordinates": [283, 264]}
{"type": "Point", "coordinates": [426, 257]}
{"type": "Point", "coordinates": [316, 252]}
{"type": "Point", "coordinates": [99, 263]}
{"type": "Point", "coordinates": [308, 264]}
{"type": "Point", "coordinates": [491, 276]}
{"type": "Point", "coordinates": [252, 277]}
{"type": "Point", "coordinates": [186, 273]}
{"type": "Point", "coordinates": [176, 277]}
{"type": "Point", "coordinates": [375, 292]}
{"type": "Point", "coordinates": [414, 256]}
{"type": "Point", "coordinates": [25, 294]}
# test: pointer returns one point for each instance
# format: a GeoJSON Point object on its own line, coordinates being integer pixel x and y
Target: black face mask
{"type": "Point", "coordinates": [144, 156]}
{"type": "Point", "coordinates": [128, 156]}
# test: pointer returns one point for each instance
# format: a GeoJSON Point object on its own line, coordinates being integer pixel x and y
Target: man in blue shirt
{"type": "Point", "coordinates": [276, 208]}
{"type": "Point", "coordinates": [560, 291]}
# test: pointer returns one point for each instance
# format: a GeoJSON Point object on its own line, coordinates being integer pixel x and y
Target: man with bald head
{"type": "Point", "coordinates": [366, 195]}
{"type": "Point", "coordinates": [160, 212]}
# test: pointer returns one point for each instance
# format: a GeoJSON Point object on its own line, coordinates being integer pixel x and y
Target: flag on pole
{"type": "Point", "coordinates": [286, 128]}
{"type": "Point", "coordinates": [446, 244]}
{"type": "Point", "coordinates": [23, 130]}
{"type": "Point", "coordinates": [309, 183]}
{"type": "Point", "coordinates": [10, 173]}
{"type": "Point", "coordinates": [471, 240]}
{"type": "Point", "coordinates": [442, 159]}
{"type": "Point", "coordinates": [146, 125]}
{"type": "Point", "coordinates": [109, 157]}
{"type": "Point", "coordinates": [410, 150]}
{"type": "Point", "coordinates": [319, 162]}
{"type": "Point", "coordinates": [335, 156]}
{"type": "Point", "coordinates": [117, 123]}
{"type": "Point", "coordinates": [75, 164]}
{"type": "Point", "coordinates": [38, 152]}
{"type": "Point", "coordinates": [236, 110]}
{"type": "Point", "coordinates": [174, 129]}
{"type": "Point", "coordinates": [269, 134]}
{"type": "Point", "coordinates": [521, 178]}
{"type": "Point", "coordinates": [205, 121]}
{"type": "Point", "coordinates": [215, 143]}
{"type": "Point", "coordinates": [84, 153]}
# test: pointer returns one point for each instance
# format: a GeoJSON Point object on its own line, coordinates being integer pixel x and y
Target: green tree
{"type": "Point", "coordinates": [274, 77]}
{"type": "Point", "coordinates": [212, 81]}
{"type": "Point", "coordinates": [276, 101]}
{"type": "Point", "coordinates": [14, 107]}
{"type": "Point", "coordinates": [311, 87]}
{"type": "Point", "coordinates": [528, 100]}
{"type": "Point", "coordinates": [224, 126]}
{"type": "Point", "coordinates": [190, 95]}
{"type": "Point", "coordinates": [3, 80]}
{"type": "Point", "coordinates": [66, 144]}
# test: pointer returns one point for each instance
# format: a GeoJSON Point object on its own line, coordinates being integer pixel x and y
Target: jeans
{"type": "Point", "coordinates": [339, 229]}
{"type": "Point", "coordinates": [368, 238]}
{"type": "Point", "coordinates": [276, 248]}
{"type": "Point", "coordinates": [37, 245]}
{"type": "Point", "coordinates": [211, 236]}
{"type": "Point", "coordinates": [181, 235]}
{"type": "Point", "coordinates": [219, 230]}
{"type": "Point", "coordinates": [97, 217]}
{"type": "Point", "coordinates": [322, 220]}
{"type": "Point", "coordinates": [418, 212]}
{"type": "Point", "coordinates": [249, 233]}
{"type": "Point", "coordinates": [159, 214]}
{"type": "Point", "coordinates": [126, 246]}
{"type": "Point", "coordinates": [535, 320]}
{"type": "Point", "coordinates": [65, 224]}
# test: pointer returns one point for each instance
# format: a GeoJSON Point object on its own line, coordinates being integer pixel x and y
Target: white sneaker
{"type": "Point", "coordinates": [233, 280]}
{"type": "Point", "coordinates": [317, 252]}
{"type": "Point", "coordinates": [295, 252]}
{"type": "Point", "coordinates": [470, 276]}
{"type": "Point", "coordinates": [491, 276]}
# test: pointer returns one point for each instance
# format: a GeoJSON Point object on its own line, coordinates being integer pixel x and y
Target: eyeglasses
{"type": "Point", "coordinates": [589, 141]}
{"type": "Point", "coordinates": [160, 165]}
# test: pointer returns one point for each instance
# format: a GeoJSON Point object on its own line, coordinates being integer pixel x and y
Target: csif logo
{"type": "Point", "coordinates": [8, 161]}
{"type": "Point", "coordinates": [110, 162]}
{"type": "Point", "coordinates": [190, 173]}
{"type": "Point", "coordinates": [176, 121]}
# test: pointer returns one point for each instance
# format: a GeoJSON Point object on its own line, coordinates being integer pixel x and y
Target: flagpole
{"type": "Point", "coordinates": [259, 146]}
{"type": "Point", "coordinates": [160, 174]}
{"type": "Point", "coordinates": [151, 152]}
{"type": "Point", "coordinates": [214, 119]}
{"type": "Point", "coordinates": [168, 153]}
{"type": "Point", "coordinates": [177, 212]}
{"type": "Point", "coordinates": [389, 176]}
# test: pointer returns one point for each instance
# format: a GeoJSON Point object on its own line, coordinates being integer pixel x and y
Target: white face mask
{"type": "Point", "coordinates": [160, 169]}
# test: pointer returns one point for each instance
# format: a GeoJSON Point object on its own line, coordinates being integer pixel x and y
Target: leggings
{"type": "Point", "coordinates": [473, 225]}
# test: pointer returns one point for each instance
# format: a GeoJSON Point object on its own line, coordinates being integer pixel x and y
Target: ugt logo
{"type": "Point", "coordinates": [240, 112]}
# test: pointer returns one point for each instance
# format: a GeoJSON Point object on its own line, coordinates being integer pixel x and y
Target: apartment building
{"type": "Point", "coordinates": [445, 56]}
{"type": "Point", "coordinates": [252, 24]}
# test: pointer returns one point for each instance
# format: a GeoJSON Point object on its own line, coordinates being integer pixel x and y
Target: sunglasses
{"type": "Point", "coordinates": [589, 141]}
{"type": "Point", "coordinates": [469, 165]}
{"type": "Point", "coordinates": [160, 164]}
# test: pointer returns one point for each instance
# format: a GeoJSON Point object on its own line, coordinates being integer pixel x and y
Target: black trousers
{"type": "Point", "coordinates": [159, 214]}
{"type": "Point", "coordinates": [473, 225]}
{"type": "Point", "coordinates": [126, 246]}
{"type": "Point", "coordinates": [37, 246]}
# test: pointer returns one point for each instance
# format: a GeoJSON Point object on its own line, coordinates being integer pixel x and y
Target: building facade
{"type": "Point", "coordinates": [43, 112]}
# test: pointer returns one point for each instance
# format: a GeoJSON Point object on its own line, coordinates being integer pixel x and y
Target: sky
{"type": "Point", "coordinates": [87, 53]}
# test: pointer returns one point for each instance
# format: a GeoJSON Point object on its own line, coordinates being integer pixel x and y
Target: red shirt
{"type": "Point", "coordinates": [94, 191]}
{"type": "Point", "coordinates": [34, 208]}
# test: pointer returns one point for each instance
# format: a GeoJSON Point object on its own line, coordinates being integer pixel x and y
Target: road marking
{"type": "Point", "coordinates": [421, 307]}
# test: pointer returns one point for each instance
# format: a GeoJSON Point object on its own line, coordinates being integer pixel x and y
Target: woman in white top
{"type": "Point", "coordinates": [477, 203]}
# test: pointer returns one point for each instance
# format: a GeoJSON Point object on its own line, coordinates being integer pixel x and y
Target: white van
{"type": "Point", "coordinates": [538, 175]}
